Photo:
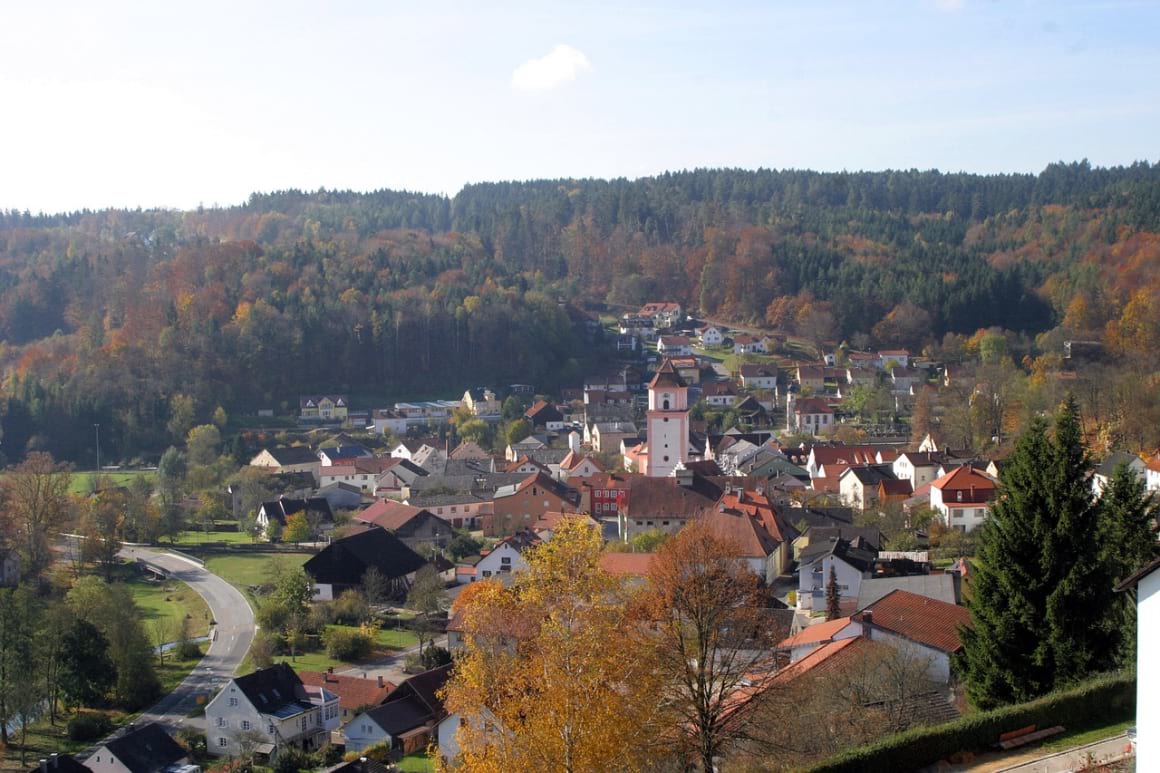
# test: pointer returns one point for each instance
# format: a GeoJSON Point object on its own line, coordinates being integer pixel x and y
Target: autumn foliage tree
{"type": "Point", "coordinates": [706, 636]}
{"type": "Point", "coordinates": [544, 682]}
{"type": "Point", "coordinates": [36, 498]}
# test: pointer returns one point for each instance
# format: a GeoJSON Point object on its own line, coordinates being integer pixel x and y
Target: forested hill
{"type": "Point", "coordinates": [119, 316]}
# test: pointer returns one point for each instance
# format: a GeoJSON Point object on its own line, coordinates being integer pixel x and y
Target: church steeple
{"type": "Point", "coordinates": [668, 421]}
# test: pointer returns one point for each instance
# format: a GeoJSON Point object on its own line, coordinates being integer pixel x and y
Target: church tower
{"type": "Point", "coordinates": [667, 429]}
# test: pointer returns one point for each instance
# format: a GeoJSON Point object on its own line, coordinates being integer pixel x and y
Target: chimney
{"type": "Point", "coordinates": [867, 621]}
{"type": "Point", "coordinates": [43, 765]}
{"type": "Point", "coordinates": [381, 680]}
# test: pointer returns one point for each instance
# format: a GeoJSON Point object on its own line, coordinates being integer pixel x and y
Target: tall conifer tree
{"type": "Point", "coordinates": [1004, 659]}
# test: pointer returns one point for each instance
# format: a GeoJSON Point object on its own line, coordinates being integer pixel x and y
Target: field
{"type": "Point", "coordinates": [252, 569]}
{"type": "Point", "coordinates": [169, 601]}
{"type": "Point", "coordinates": [82, 482]}
{"type": "Point", "coordinates": [388, 641]}
{"type": "Point", "coordinates": [197, 537]}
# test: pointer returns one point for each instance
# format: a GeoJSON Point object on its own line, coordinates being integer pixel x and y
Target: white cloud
{"type": "Point", "coordinates": [950, 5]}
{"type": "Point", "coordinates": [561, 65]}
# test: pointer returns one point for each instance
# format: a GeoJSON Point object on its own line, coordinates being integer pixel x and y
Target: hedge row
{"type": "Point", "coordinates": [1105, 699]}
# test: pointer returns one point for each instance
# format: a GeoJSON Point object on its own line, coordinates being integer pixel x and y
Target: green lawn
{"type": "Point", "coordinates": [251, 569]}
{"type": "Point", "coordinates": [229, 537]}
{"type": "Point", "coordinates": [416, 763]}
{"type": "Point", "coordinates": [82, 482]}
{"type": "Point", "coordinates": [1091, 735]}
{"type": "Point", "coordinates": [169, 601]}
{"type": "Point", "coordinates": [388, 641]}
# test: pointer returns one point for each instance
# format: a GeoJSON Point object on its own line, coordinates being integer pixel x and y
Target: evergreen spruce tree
{"type": "Point", "coordinates": [1081, 587]}
{"type": "Point", "coordinates": [1127, 512]}
{"type": "Point", "coordinates": [1042, 592]}
{"type": "Point", "coordinates": [1004, 657]}
{"type": "Point", "coordinates": [833, 598]}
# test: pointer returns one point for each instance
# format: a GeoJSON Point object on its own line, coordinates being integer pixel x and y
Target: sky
{"type": "Point", "coordinates": [159, 104]}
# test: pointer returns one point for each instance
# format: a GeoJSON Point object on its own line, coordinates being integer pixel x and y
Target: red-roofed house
{"type": "Point", "coordinates": [907, 620]}
{"type": "Point", "coordinates": [578, 465]}
{"type": "Point", "coordinates": [412, 525]}
{"type": "Point", "coordinates": [750, 520]}
{"type": "Point", "coordinates": [627, 564]}
{"type": "Point", "coordinates": [674, 346]}
{"type": "Point", "coordinates": [963, 496]}
{"type": "Point", "coordinates": [811, 637]}
{"type": "Point", "coordinates": [808, 415]}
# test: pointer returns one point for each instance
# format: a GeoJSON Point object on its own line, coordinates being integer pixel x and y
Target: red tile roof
{"type": "Point", "coordinates": [919, 618]}
{"type": "Point", "coordinates": [388, 514]}
{"type": "Point", "coordinates": [352, 691]}
{"type": "Point", "coordinates": [633, 564]}
{"type": "Point", "coordinates": [976, 486]}
{"type": "Point", "coordinates": [820, 632]}
{"type": "Point", "coordinates": [822, 657]}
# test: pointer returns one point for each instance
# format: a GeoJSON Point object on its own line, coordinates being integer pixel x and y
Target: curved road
{"type": "Point", "coordinates": [229, 639]}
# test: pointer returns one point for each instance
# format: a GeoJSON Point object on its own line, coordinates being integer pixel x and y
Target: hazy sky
{"type": "Point", "coordinates": [178, 104]}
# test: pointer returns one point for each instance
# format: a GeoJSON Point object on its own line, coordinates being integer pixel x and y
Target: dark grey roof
{"type": "Point", "coordinates": [62, 763]}
{"type": "Point", "coordinates": [279, 509]}
{"type": "Point", "coordinates": [935, 586]}
{"type": "Point", "coordinates": [413, 703]}
{"type": "Point", "coordinates": [857, 557]}
{"type": "Point", "coordinates": [274, 690]}
{"type": "Point", "coordinates": [147, 750]}
{"type": "Point", "coordinates": [873, 475]}
{"type": "Point", "coordinates": [345, 561]}
{"type": "Point", "coordinates": [345, 452]}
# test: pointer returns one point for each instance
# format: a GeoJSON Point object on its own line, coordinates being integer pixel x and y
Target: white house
{"type": "Point", "coordinates": [925, 628]}
{"type": "Point", "coordinates": [148, 749]}
{"type": "Point", "coordinates": [711, 335]}
{"type": "Point", "coordinates": [1146, 583]}
{"type": "Point", "coordinates": [963, 497]}
{"type": "Point", "coordinates": [810, 415]}
{"type": "Point", "coordinates": [918, 467]}
{"type": "Point", "coordinates": [674, 346]}
{"type": "Point", "coordinates": [506, 557]}
{"type": "Point", "coordinates": [813, 636]}
{"type": "Point", "coordinates": [274, 708]}
{"type": "Point", "coordinates": [406, 720]}
{"type": "Point", "coordinates": [1104, 471]}
{"type": "Point", "coordinates": [851, 565]}
{"type": "Point", "coordinates": [747, 344]}
{"type": "Point", "coordinates": [755, 376]}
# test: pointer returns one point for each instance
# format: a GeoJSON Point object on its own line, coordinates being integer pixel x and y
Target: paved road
{"type": "Point", "coordinates": [229, 641]}
{"type": "Point", "coordinates": [1085, 757]}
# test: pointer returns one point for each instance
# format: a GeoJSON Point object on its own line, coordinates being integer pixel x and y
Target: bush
{"type": "Point", "coordinates": [433, 657]}
{"type": "Point", "coordinates": [350, 608]}
{"type": "Point", "coordinates": [88, 727]}
{"type": "Point", "coordinates": [347, 644]}
{"type": "Point", "coordinates": [1104, 699]}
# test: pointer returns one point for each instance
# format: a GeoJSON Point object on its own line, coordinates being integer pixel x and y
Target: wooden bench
{"type": "Point", "coordinates": [1026, 735]}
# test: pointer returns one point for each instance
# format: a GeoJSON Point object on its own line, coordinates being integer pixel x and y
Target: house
{"type": "Point", "coordinates": [322, 407]}
{"type": "Point", "coordinates": [408, 449]}
{"type": "Point", "coordinates": [273, 708]}
{"type": "Point", "coordinates": [577, 465]}
{"type": "Point", "coordinates": [747, 344]}
{"type": "Point", "coordinates": [340, 496]}
{"type": "Point", "coordinates": [664, 504]}
{"type": "Point", "coordinates": [963, 497]}
{"type": "Point", "coordinates": [858, 486]}
{"type": "Point", "coordinates": [754, 376]}
{"type": "Point", "coordinates": [688, 368]}
{"type": "Point", "coordinates": [481, 402]}
{"type": "Point", "coordinates": [919, 624]}
{"type": "Point", "coordinates": [275, 512]}
{"type": "Point", "coordinates": [525, 465]}
{"type": "Point", "coordinates": [1146, 584]}
{"type": "Point", "coordinates": [361, 472]}
{"type": "Point", "coordinates": [406, 720]}
{"type": "Point", "coordinates": [918, 467]}
{"type": "Point", "coordinates": [1104, 471]}
{"type": "Point", "coordinates": [547, 524]}
{"type": "Point", "coordinates": [719, 393]}
{"type": "Point", "coordinates": [341, 454]}
{"type": "Point", "coordinates": [397, 476]}
{"type": "Point", "coordinates": [606, 435]}
{"type": "Point", "coordinates": [852, 562]}
{"type": "Point", "coordinates": [821, 458]}
{"type": "Point", "coordinates": [343, 563]}
{"type": "Point", "coordinates": [817, 635]}
{"type": "Point", "coordinates": [900, 358]}
{"type": "Point", "coordinates": [749, 520]}
{"type": "Point", "coordinates": [388, 421]}
{"type": "Point", "coordinates": [710, 335]}
{"type": "Point", "coordinates": [812, 377]}
{"type": "Point", "coordinates": [468, 450]}
{"type": "Point", "coordinates": [354, 692]}
{"type": "Point", "coordinates": [662, 314]}
{"type": "Point", "coordinates": [506, 556]}
{"type": "Point", "coordinates": [517, 505]}
{"type": "Point", "coordinates": [903, 380]}
{"type": "Point", "coordinates": [523, 447]}
{"type": "Point", "coordinates": [414, 526]}
{"type": "Point", "coordinates": [674, 346]}
{"type": "Point", "coordinates": [148, 749]}
{"type": "Point", "coordinates": [544, 415]}
{"type": "Point", "coordinates": [285, 459]}
{"type": "Point", "coordinates": [809, 415]}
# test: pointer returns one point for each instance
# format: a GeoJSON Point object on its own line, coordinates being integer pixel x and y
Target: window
{"type": "Point", "coordinates": [233, 701]}
{"type": "Point", "coordinates": [486, 573]}
{"type": "Point", "coordinates": [221, 721]}
{"type": "Point", "coordinates": [245, 724]}
{"type": "Point", "coordinates": [958, 496]}
{"type": "Point", "coordinates": [222, 741]}
{"type": "Point", "coordinates": [505, 560]}
{"type": "Point", "coordinates": [270, 728]}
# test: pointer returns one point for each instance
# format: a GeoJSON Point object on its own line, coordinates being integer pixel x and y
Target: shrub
{"type": "Point", "coordinates": [350, 608]}
{"type": "Point", "coordinates": [433, 657]}
{"type": "Point", "coordinates": [1104, 699]}
{"type": "Point", "coordinates": [88, 727]}
{"type": "Point", "coordinates": [347, 644]}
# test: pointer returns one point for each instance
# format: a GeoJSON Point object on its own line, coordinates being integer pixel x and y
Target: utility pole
{"type": "Point", "coordinates": [97, 428]}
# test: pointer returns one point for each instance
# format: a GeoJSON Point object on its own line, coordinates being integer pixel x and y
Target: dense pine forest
{"type": "Point", "coordinates": [146, 321]}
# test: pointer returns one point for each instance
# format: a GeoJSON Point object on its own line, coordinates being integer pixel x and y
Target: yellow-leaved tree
{"type": "Point", "coordinates": [547, 680]}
